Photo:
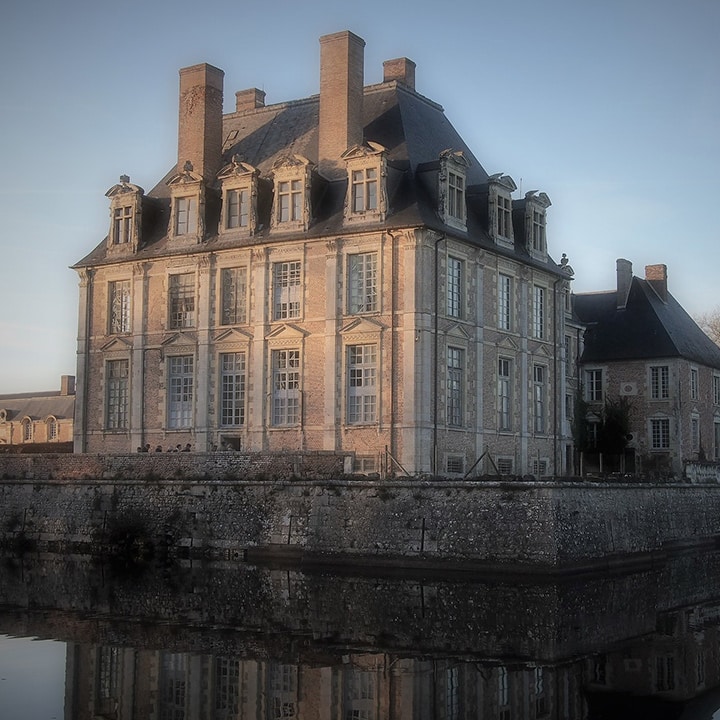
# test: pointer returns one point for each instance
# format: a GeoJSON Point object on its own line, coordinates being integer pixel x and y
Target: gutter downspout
{"type": "Point", "coordinates": [435, 356]}
{"type": "Point", "coordinates": [555, 375]}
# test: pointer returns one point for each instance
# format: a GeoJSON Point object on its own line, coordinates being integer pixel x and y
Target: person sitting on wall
{"type": "Point", "coordinates": [186, 448]}
{"type": "Point", "coordinates": [158, 448]}
{"type": "Point", "coordinates": [139, 449]}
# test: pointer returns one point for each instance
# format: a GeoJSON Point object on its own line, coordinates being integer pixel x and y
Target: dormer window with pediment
{"type": "Point", "coordinates": [366, 198]}
{"type": "Point", "coordinates": [500, 190]}
{"type": "Point", "coordinates": [452, 179]}
{"type": "Point", "coordinates": [187, 204]}
{"type": "Point", "coordinates": [291, 205]}
{"type": "Point", "coordinates": [239, 197]}
{"type": "Point", "coordinates": [125, 215]}
{"type": "Point", "coordinates": [536, 205]}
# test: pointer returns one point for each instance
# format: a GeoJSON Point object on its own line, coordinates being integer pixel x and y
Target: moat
{"type": "Point", "coordinates": [229, 640]}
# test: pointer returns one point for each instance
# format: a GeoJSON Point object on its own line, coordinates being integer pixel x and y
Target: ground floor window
{"type": "Point", "coordinates": [660, 433]}
{"type": "Point", "coordinates": [116, 394]}
{"type": "Point", "coordinates": [180, 391]}
{"type": "Point", "coordinates": [232, 388]}
{"type": "Point", "coordinates": [286, 387]}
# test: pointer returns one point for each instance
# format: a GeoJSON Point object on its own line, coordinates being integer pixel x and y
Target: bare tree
{"type": "Point", "coordinates": [710, 324]}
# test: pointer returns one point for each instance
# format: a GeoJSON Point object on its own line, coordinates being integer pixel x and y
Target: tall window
{"type": "Point", "coordinates": [286, 387]}
{"type": "Point", "coordinates": [289, 203]}
{"type": "Point", "coordinates": [504, 216]}
{"type": "Point", "coordinates": [454, 287]}
{"type": "Point", "coordinates": [716, 425]}
{"type": "Point", "coordinates": [182, 300]}
{"type": "Point", "coordinates": [569, 364]}
{"type": "Point", "coordinates": [362, 283]}
{"type": "Point", "coordinates": [455, 384]}
{"type": "Point", "coordinates": [693, 383]}
{"type": "Point", "coordinates": [504, 302]}
{"type": "Point", "coordinates": [695, 433]}
{"type": "Point", "coordinates": [504, 394]}
{"type": "Point", "coordinates": [122, 225]}
{"type": "Point", "coordinates": [227, 688]}
{"type": "Point", "coordinates": [456, 196]}
{"type": "Point", "coordinates": [286, 290]}
{"type": "Point", "coordinates": [233, 282]}
{"type": "Point", "coordinates": [538, 231]}
{"type": "Point", "coordinates": [238, 208]}
{"type": "Point", "coordinates": [116, 394]}
{"type": "Point", "coordinates": [362, 384]}
{"type": "Point", "coordinates": [716, 389]}
{"type": "Point", "coordinates": [52, 429]}
{"type": "Point", "coordinates": [660, 382]}
{"type": "Point", "coordinates": [364, 190]}
{"type": "Point", "coordinates": [186, 216]}
{"type": "Point", "coordinates": [539, 395]}
{"type": "Point", "coordinates": [538, 326]}
{"type": "Point", "coordinates": [119, 299]}
{"type": "Point", "coordinates": [232, 388]}
{"type": "Point", "coordinates": [660, 433]}
{"type": "Point", "coordinates": [27, 430]}
{"type": "Point", "coordinates": [593, 385]}
{"type": "Point", "coordinates": [180, 391]}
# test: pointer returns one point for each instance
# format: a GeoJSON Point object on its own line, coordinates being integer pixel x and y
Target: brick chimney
{"type": "Point", "coordinates": [342, 69]}
{"type": "Point", "coordinates": [656, 275]}
{"type": "Point", "coordinates": [400, 69]}
{"type": "Point", "coordinates": [200, 119]}
{"type": "Point", "coordinates": [250, 99]}
{"type": "Point", "coordinates": [624, 281]}
{"type": "Point", "coordinates": [67, 384]}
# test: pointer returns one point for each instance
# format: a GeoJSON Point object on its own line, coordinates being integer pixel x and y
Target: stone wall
{"type": "Point", "coordinates": [442, 524]}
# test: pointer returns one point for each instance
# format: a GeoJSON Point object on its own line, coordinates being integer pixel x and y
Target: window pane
{"type": "Point", "coordinates": [362, 285]}
{"type": "Point", "coordinates": [180, 391]}
{"type": "Point", "coordinates": [286, 387]}
{"type": "Point", "coordinates": [116, 389]}
{"type": "Point", "coordinates": [362, 383]}
{"type": "Point", "coordinates": [286, 284]}
{"type": "Point", "coordinates": [232, 387]}
{"type": "Point", "coordinates": [182, 300]}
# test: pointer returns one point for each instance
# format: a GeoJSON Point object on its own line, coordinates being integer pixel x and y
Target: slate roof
{"type": "Point", "coordinates": [413, 129]}
{"type": "Point", "coordinates": [645, 329]}
{"type": "Point", "coordinates": [38, 406]}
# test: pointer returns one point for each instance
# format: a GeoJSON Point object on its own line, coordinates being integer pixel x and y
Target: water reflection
{"type": "Point", "coordinates": [227, 641]}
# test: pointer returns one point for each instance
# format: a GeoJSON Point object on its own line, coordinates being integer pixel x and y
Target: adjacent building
{"type": "Point", "coordinates": [641, 349]}
{"type": "Point", "coordinates": [334, 273]}
{"type": "Point", "coordinates": [38, 421]}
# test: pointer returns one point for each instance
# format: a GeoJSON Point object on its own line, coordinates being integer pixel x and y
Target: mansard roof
{"type": "Point", "coordinates": [413, 129]}
{"type": "Point", "coordinates": [647, 328]}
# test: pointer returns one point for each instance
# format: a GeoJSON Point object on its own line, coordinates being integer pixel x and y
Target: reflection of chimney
{"type": "Point", "coordinates": [656, 275]}
{"type": "Point", "coordinates": [624, 280]}
{"type": "Point", "coordinates": [400, 69]}
{"type": "Point", "coordinates": [200, 119]}
{"type": "Point", "coordinates": [67, 384]}
{"type": "Point", "coordinates": [342, 59]}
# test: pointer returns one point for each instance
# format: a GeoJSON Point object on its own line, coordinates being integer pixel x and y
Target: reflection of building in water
{"type": "Point", "coordinates": [119, 684]}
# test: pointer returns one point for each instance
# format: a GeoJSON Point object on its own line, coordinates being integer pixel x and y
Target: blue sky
{"type": "Point", "coordinates": [612, 109]}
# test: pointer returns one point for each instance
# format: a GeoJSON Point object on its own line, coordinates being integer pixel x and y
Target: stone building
{"type": "Point", "coordinates": [333, 273]}
{"type": "Point", "coordinates": [641, 348]}
{"type": "Point", "coordinates": [38, 421]}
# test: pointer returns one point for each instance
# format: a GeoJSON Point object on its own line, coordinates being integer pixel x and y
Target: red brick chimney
{"type": "Point", "coordinates": [200, 119]}
{"type": "Point", "coordinates": [249, 99]}
{"type": "Point", "coordinates": [400, 69]}
{"type": "Point", "coordinates": [656, 275]}
{"type": "Point", "coordinates": [624, 281]}
{"type": "Point", "coordinates": [342, 70]}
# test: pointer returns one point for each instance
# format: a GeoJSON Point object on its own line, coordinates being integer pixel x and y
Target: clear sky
{"type": "Point", "coordinates": [612, 108]}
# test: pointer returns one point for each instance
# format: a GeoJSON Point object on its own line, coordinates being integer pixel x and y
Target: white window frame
{"type": "Point", "coordinates": [180, 391]}
{"type": "Point", "coordinates": [540, 398]}
{"type": "Point", "coordinates": [181, 300]}
{"type": "Point", "coordinates": [594, 384]}
{"type": "Point", "coordinates": [539, 311]}
{"type": "Point", "coordinates": [694, 383]}
{"type": "Point", "coordinates": [659, 429]}
{"type": "Point", "coordinates": [287, 290]}
{"type": "Point", "coordinates": [452, 190]}
{"type": "Point", "coordinates": [538, 241]}
{"type": "Point", "coordinates": [362, 283]}
{"type": "Point", "coordinates": [123, 219]}
{"type": "Point", "coordinates": [504, 227]}
{"type": "Point", "coordinates": [505, 305]}
{"type": "Point", "coordinates": [233, 374]}
{"type": "Point", "coordinates": [659, 382]}
{"type": "Point", "coordinates": [365, 190]}
{"type": "Point", "coordinates": [504, 394]}
{"type": "Point", "coordinates": [119, 304]}
{"type": "Point", "coordinates": [455, 278]}
{"type": "Point", "coordinates": [185, 220]}
{"type": "Point", "coordinates": [233, 295]}
{"type": "Point", "coordinates": [455, 386]}
{"type": "Point", "coordinates": [286, 377]}
{"type": "Point", "coordinates": [362, 384]}
{"type": "Point", "coordinates": [117, 394]}
{"type": "Point", "coordinates": [238, 211]}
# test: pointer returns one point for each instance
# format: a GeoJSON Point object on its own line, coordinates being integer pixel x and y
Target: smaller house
{"type": "Point", "coordinates": [39, 421]}
{"type": "Point", "coordinates": [646, 357]}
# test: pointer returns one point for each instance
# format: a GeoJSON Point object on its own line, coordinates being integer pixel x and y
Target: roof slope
{"type": "Point", "coordinates": [646, 328]}
{"type": "Point", "coordinates": [38, 405]}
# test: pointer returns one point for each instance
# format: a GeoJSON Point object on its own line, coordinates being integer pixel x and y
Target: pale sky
{"type": "Point", "coordinates": [611, 108]}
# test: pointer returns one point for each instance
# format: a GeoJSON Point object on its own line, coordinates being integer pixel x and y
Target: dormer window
{"type": "Point", "coordinates": [239, 193]}
{"type": "Point", "coordinates": [291, 207]}
{"type": "Point", "coordinates": [187, 203]}
{"type": "Point", "coordinates": [366, 198]}
{"type": "Point", "coordinates": [125, 212]}
{"type": "Point", "coordinates": [452, 179]}
{"type": "Point", "coordinates": [500, 225]}
{"type": "Point", "coordinates": [536, 205]}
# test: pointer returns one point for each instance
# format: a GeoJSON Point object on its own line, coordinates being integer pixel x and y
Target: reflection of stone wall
{"type": "Point", "coordinates": [503, 525]}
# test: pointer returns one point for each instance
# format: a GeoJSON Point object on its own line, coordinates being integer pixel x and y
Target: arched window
{"type": "Point", "coordinates": [27, 429]}
{"type": "Point", "coordinates": [52, 428]}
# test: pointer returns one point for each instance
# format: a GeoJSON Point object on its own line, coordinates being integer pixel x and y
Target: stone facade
{"type": "Point", "coordinates": [327, 288]}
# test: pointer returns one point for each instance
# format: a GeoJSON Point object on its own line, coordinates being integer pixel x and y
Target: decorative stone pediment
{"type": "Point", "coordinates": [544, 351]}
{"type": "Point", "coordinates": [187, 176]}
{"type": "Point", "coordinates": [117, 343]}
{"type": "Point", "coordinates": [540, 199]}
{"type": "Point", "coordinates": [180, 338]}
{"type": "Point", "coordinates": [124, 187]}
{"type": "Point", "coordinates": [363, 151]}
{"type": "Point", "coordinates": [455, 156]}
{"type": "Point", "coordinates": [457, 331]}
{"type": "Point", "coordinates": [237, 169]}
{"type": "Point", "coordinates": [292, 163]}
{"type": "Point", "coordinates": [233, 335]}
{"type": "Point", "coordinates": [507, 342]}
{"type": "Point", "coordinates": [362, 327]}
{"type": "Point", "coordinates": [286, 333]}
{"type": "Point", "coordinates": [503, 181]}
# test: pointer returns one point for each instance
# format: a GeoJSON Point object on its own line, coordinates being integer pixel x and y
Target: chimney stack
{"type": "Point", "coordinates": [624, 281]}
{"type": "Point", "coordinates": [342, 69]}
{"type": "Point", "coordinates": [400, 69]}
{"type": "Point", "coordinates": [656, 275]}
{"type": "Point", "coordinates": [67, 384]}
{"type": "Point", "coordinates": [200, 119]}
{"type": "Point", "coordinates": [250, 99]}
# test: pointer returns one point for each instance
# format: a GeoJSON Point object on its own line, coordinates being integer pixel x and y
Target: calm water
{"type": "Point", "coordinates": [222, 641]}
